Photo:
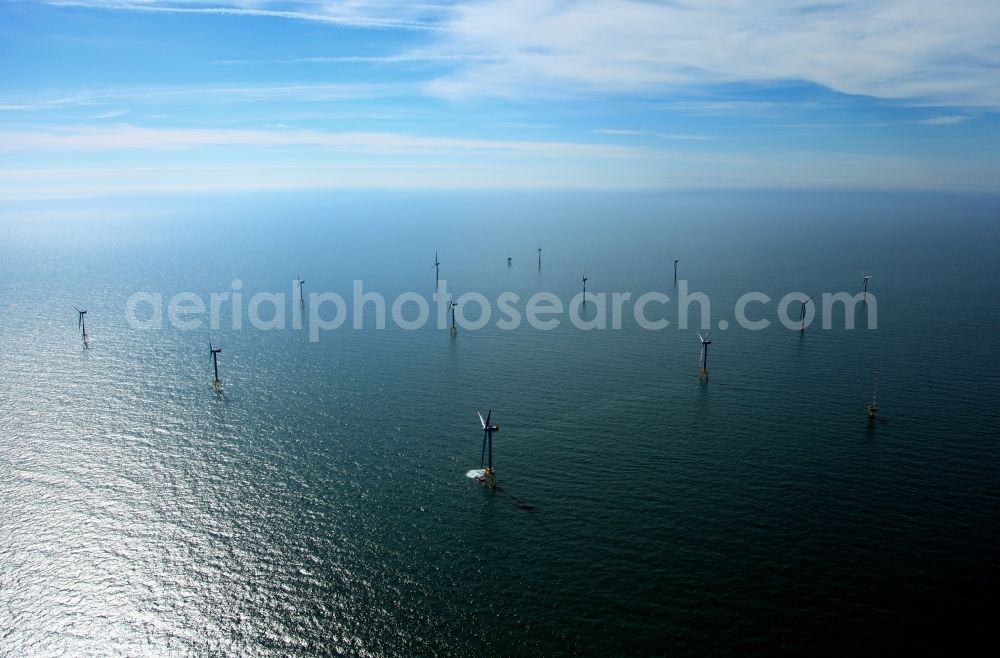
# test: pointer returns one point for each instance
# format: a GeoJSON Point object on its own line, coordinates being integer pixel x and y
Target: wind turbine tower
{"type": "Point", "coordinates": [81, 324]}
{"type": "Point", "coordinates": [214, 353]}
{"type": "Point", "coordinates": [705, 342]}
{"type": "Point", "coordinates": [489, 475]}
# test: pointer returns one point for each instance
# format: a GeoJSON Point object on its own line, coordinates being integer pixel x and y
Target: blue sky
{"type": "Point", "coordinates": [138, 96]}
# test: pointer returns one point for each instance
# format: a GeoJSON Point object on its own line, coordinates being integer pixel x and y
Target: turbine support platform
{"type": "Point", "coordinates": [489, 477]}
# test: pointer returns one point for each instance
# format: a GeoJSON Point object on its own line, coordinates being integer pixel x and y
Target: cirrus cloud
{"type": "Point", "coordinates": [923, 52]}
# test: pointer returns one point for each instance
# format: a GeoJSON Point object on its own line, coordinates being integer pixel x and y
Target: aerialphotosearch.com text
{"type": "Point", "coordinates": [543, 311]}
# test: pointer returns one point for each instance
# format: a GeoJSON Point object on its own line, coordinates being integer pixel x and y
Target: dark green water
{"type": "Point", "coordinates": [320, 503]}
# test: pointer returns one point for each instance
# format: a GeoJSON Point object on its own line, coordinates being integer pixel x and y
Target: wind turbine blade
{"type": "Point", "coordinates": [700, 337]}
{"type": "Point", "coordinates": [481, 421]}
{"type": "Point", "coordinates": [488, 414]}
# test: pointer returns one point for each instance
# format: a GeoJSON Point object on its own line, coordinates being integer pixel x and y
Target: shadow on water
{"type": "Point", "coordinates": [703, 391]}
{"type": "Point", "coordinates": [873, 424]}
{"type": "Point", "coordinates": [523, 505]}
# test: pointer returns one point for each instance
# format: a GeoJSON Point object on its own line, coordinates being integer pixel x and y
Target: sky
{"type": "Point", "coordinates": [103, 97]}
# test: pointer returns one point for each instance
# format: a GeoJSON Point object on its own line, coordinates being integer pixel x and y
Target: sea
{"type": "Point", "coordinates": [318, 501]}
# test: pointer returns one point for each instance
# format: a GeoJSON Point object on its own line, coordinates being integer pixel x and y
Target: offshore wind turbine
{"type": "Point", "coordinates": [539, 255]}
{"type": "Point", "coordinates": [675, 268]}
{"type": "Point", "coordinates": [437, 270]}
{"type": "Point", "coordinates": [301, 282]}
{"type": "Point", "coordinates": [873, 405]}
{"type": "Point", "coordinates": [214, 355]}
{"type": "Point", "coordinates": [802, 316]}
{"type": "Point", "coordinates": [81, 324]}
{"type": "Point", "coordinates": [454, 330]}
{"type": "Point", "coordinates": [584, 280]}
{"type": "Point", "coordinates": [864, 297]}
{"type": "Point", "coordinates": [489, 477]}
{"type": "Point", "coordinates": [703, 357]}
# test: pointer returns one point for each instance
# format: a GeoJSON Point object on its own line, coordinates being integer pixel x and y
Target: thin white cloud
{"type": "Point", "coordinates": [910, 50]}
{"type": "Point", "coordinates": [394, 15]}
{"type": "Point", "coordinates": [644, 133]}
{"type": "Point", "coordinates": [14, 104]}
{"type": "Point", "coordinates": [111, 114]}
{"type": "Point", "coordinates": [948, 120]}
{"type": "Point", "coordinates": [126, 137]}
{"type": "Point", "coordinates": [724, 107]}
{"type": "Point", "coordinates": [207, 94]}
{"type": "Point", "coordinates": [407, 58]}
{"type": "Point", "coordinates": [687, 137]}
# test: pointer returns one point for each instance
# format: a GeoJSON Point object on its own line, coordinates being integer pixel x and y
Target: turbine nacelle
{"type": "Point", "coordinates": [486, 422]}
{"type": "Point", "coordinates": [864, 280]}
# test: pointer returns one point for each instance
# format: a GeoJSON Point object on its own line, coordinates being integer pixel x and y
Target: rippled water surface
{"type": "Point", "coordinates": [319, 503]}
